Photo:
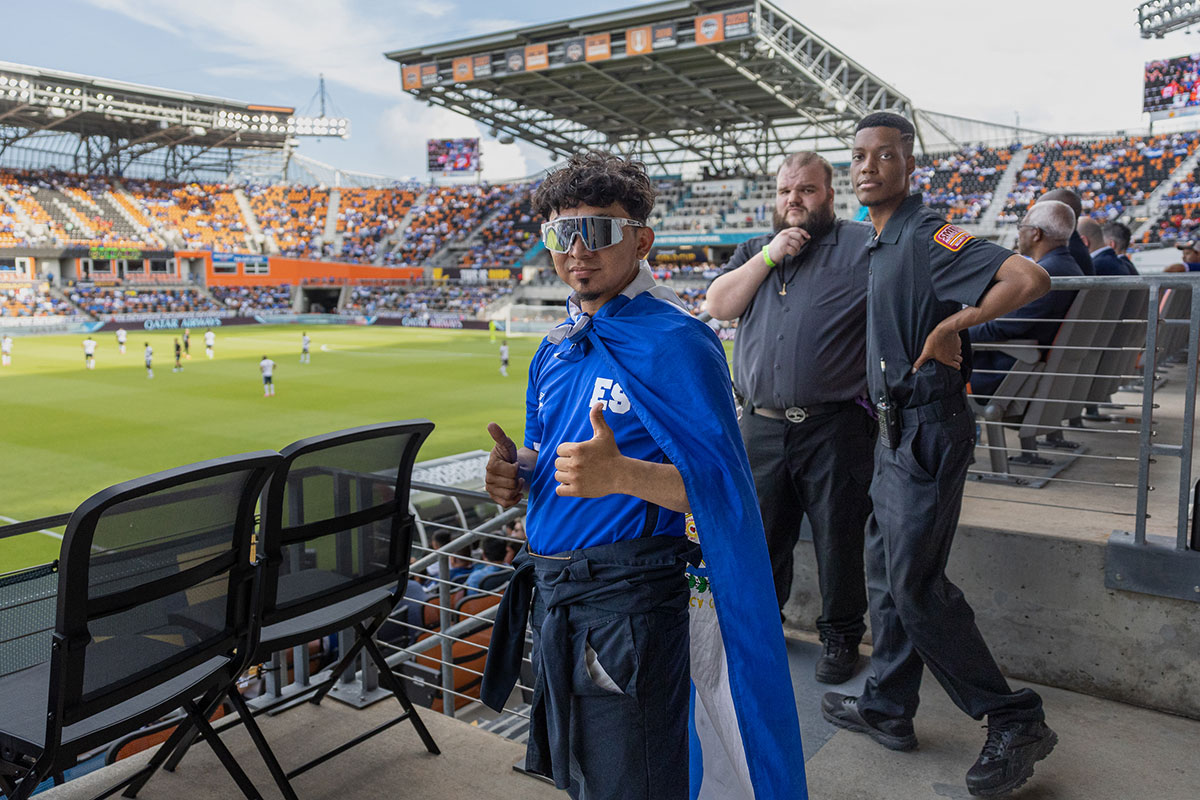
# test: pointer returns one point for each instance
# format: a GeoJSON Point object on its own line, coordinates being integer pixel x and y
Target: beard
{"type": "Point", "coordinates": [816, 223]}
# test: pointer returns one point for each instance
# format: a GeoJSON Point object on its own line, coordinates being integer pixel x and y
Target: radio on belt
{"type": "Point", "coordinates": [889, 416]}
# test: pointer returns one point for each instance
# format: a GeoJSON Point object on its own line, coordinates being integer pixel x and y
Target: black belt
{"type": "Point", "coordinates": [935, 411]}
{"type": "Point", "coordinates": [800, 413]}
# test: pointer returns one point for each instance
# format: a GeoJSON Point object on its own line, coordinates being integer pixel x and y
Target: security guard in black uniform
{"type": "Point", "coordinates": [929, 282]}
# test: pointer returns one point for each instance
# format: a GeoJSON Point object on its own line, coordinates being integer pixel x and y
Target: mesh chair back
{"type": "Point", "coordinates": [336, 519]}
{"type": "Point", "coordinates": [155, 579]}
{"type": "Point", "coordinates": [27, 600]}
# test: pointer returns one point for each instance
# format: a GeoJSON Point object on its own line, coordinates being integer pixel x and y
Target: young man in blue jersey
{"type": "Point", "coordinates": [629, 426]}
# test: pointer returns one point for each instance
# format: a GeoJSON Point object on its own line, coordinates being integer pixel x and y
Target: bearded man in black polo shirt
{"type": "Point", "coordinates": [798, 363]}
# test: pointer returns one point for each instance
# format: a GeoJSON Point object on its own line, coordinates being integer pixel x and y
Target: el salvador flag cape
{"type": "Point", "coordinates": [744, 733]}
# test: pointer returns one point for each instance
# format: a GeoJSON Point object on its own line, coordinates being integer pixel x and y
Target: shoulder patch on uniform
{"type": "Point", "coordinates": [952, 237]}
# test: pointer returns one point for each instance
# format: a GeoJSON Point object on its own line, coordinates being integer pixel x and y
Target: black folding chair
{"type": "Point", "coordinates": [155, 586]}
{"type": "Point", "coordinates": [336, 539]}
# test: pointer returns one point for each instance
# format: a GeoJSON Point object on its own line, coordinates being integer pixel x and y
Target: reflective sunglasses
{"type": "Point", "coordinates": [596, 233]}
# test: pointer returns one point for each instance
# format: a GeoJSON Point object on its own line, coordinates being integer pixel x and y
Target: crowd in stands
{"type": "Point", "coordinates": [960, 185]}
{"type": "Point", "coordinates": [449, 214]}
{"type": "Point", "coordinates": [467, 300]}
{"type": "Point", "coordinates": [1110, 175]}
{"type": "Point", "coordinates": [204, 216]}
{"type": "Point", "coordinates": [26, 301]}
{"type": "Point", "coordinates": [367, 216]}
{"type": "Point", "coordinates": [294, 216]}
{"type": "Point", "coordinates": [507, 237]}
{"type": "Point", "coordinates": [96, 300]}
{"type": "Point", "coordinates": [250, 300]}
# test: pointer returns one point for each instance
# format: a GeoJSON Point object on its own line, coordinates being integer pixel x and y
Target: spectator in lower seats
{"type": "Point", "coordinates": [1117, 236]}
{"type": "Point", "coordinates": [495, 551]}
{"type": "Point", "coordinates": [1041, 236]}
{"type": "Point", "coordinates": [1104, 258]}
{"type": "Point", "coordinates": [1079, 250]}
{"type": "Point", "coordinates": [1190, 253]}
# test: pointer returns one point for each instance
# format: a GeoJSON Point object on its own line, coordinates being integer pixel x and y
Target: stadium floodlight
{"type": "Point", "coordinates": [318, 126]}
{"type": "Point", "coordinates": [1157, 18]}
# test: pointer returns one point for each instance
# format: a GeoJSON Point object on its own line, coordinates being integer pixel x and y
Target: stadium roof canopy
{"type": "Point", "coordinates": [88, 124]}
{"type": "Point", "coordinates": [710, 82]}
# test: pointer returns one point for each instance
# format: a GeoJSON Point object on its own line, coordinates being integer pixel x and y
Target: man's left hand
{"type": "Point", "coordinates": [942, 344]}
{"type": "Point", "coordinates": [592, 468]}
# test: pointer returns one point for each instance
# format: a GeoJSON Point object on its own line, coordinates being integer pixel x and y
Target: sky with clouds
{"type": "Point", "coordinates": [1059, 66]}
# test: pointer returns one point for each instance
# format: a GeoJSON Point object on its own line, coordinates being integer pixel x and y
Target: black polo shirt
{"type": "Point", "coordinates": [922, 271]}
{"type": "Point", "coordinates": [806, 347]}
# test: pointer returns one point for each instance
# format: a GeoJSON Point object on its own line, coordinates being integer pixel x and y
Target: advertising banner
{"type": "Point", "coordinates": [537, 56]}
{"type": "Point", "coordinates": [710, 29]}
{"type": "Point", "coordinates": [598, 47]}
{"type": "Point", "coordinates": [638, 41]}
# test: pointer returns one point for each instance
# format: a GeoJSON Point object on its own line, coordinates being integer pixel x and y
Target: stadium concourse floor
{"type": "Point", "coordinates": [1106, 751]}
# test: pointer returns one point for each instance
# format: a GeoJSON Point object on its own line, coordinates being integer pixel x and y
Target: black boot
{"type": "Point", "coordinates": [1008, 756]}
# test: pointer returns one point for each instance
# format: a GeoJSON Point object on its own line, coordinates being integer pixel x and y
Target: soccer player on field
{"type": "Point", "coordinates": [149, 361]}
{"type": "Point", "coordinates": [121, 340]}
{"type": "Point", "coordinates": [187, 343]}
{"type": "Point", "coordinates": [267, 368]}
{"type": "Point", "coordinates": [304, 343]}
{"type": "Point", "coordinates": [504, 358]}
{"type": "Point", "coordinates": [89, 352]}
{"type": "Point", "coordinates": [178, 352]}
{"type": "Point", "coordinates": [6, 351]}
{"type": "Point", "coordinates": [210, 339]}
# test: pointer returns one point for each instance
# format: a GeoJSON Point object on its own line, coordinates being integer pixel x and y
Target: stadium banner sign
{"type": "Point", "coordinates": [537, 56]}
{"type": "Point", "coordinates": [481, 66]}
{"type": "Point", "coordinates": [477, 276]}
{"type": "Point", "coordinates": [429, 75]}
{"type": "Point", "coordinates": [410, 77]}
{"type": "Point", "coordinates": [115, 253]}
{"type": "Point", "coordinates": [171, 322]}
{"type": "Point", "coordinates": [573, 50]}
{"type": "Point", "coordinates": [304, 319]}
{"type": "Point", "coordinates": [710, 29]}
{"type": "Point", "coordinates": [638, 41]}
{"type": "Point", "coordinates": [463, 69]}
{"type": "Point", "coordinates": [441, 321]}
{"type": "Point", "coordinates": [669, 239]}
{"type": "Point", "coordinates": [737, 24]}
{"type": "Point", "coordinates": [598, 47]}
{"type": "Point", "coordinates": [664, 36]}
{"type": "Point", "coordinates": [514, 60]}
{"type": "Point", "coordinates": [44, 324]}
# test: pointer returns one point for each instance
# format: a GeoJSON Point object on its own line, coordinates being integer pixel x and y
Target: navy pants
{"type": "Point", "coordinates": [629, 699]}
{"type": "Point", "coordinates": [918, 617]}
{"type": "Point", "coordinates": [819, 468]}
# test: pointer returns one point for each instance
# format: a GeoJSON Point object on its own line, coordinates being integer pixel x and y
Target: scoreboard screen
{"type": "Point", "coordinates": [1171, 87]}
{"type": "Point", "coordinates": [454, 155]}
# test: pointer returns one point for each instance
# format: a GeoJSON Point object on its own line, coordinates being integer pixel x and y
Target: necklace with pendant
{"type": "Point", "coordinates": [783, 281]}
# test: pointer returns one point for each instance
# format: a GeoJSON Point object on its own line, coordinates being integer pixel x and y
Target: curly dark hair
{"type": "Point", "coordinates": [597, 178]}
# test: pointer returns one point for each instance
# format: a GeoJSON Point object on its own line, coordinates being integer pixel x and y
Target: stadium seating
{"type": "Point", "coordinates": [960, 185]}
{"type": "Point", "coordinates": [250, 300]}
{"type": "Point", "coordinates": [204, 216]}
{"type": "Point", "coordinates": [467, 300]}
{"type": "Point", "coordinates": [508, 236]}
{"type": "Point", "coordinates": [366, 216]}
{"type": "Point", "coordinates": [1110, 175]}
{"type": "Point", "coordinates": [96, 300]}
{"type": "Point", "coordinates": [448, 214]}
{"type": "Point", "coordinates": [30, 302]}
{"type": "Point", "coordinates": [294, 216]}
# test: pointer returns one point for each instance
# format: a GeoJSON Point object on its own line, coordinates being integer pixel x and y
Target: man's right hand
{"type": "Point", "coordinates": [504, 483]}
{"type": "Point", "coordinates": [788, 242]}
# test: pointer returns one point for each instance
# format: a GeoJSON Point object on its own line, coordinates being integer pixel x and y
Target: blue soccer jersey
{"type": "Point", "coordinates": [559, 398]}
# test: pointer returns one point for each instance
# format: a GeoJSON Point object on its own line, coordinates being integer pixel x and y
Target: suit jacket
{"type": "Point", "coordinates": [1107, 262]}
{"type": "Point", "coordinates": [1079, 252]}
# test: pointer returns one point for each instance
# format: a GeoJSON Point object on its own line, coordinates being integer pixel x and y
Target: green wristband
{"type": "Point", "coordinates": [766, 251]}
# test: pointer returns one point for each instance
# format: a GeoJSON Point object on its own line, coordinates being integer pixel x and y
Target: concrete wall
{"type": "Point", "coordinates": [1044, 610]}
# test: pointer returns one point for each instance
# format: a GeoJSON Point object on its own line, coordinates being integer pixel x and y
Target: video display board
{"type": "Point", "coordinates": [453, 155]}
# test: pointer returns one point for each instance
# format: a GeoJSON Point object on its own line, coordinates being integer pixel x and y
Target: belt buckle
{"type": "Point", "coordinates": [796, 414]}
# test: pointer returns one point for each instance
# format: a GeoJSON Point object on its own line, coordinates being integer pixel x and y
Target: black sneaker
{"type": "Point", "coordinates": [1008, 757]}
{"type": "Point", "coordinates": [837, 662]}
{"type": "Point", "coordinates": [842, 710]}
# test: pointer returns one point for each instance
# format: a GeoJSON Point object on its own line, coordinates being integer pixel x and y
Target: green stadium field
{"type": "Point", "coordinates": [69, 432]}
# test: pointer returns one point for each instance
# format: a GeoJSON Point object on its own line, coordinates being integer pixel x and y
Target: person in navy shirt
{"type": "Point", "coordinates": [929, 282]}
{"type": "Point", "coordinates": [1105, 260]}
{"type": "Point", "coordinates": [1041, 236]}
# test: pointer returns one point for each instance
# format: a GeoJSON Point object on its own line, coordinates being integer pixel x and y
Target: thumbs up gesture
{"type": "Point", "coordinates": [502, 476]}
{"type": "Point", "coordinates": [593, 468]}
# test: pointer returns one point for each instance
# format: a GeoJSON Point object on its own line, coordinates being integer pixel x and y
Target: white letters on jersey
{"type": "Point", "coordinates": [609, 393]}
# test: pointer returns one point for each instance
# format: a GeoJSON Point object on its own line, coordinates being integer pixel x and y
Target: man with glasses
{"type": "Point", "coordinates": [630, 426]}
{"type": "Point", "coordinates": [800, 298]}
{"type": "Point", "coordinates": [1042, 236]}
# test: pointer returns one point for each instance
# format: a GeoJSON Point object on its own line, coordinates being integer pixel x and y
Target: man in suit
{"type": "Point", "coordinates": [1117, 236]}
{"type": "Point", "coordinates": [1104, 258]}
{"type": "Point", "coordinates": [1079, 250]}
{"type": "Point", "coordinates": [1041, 236]}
